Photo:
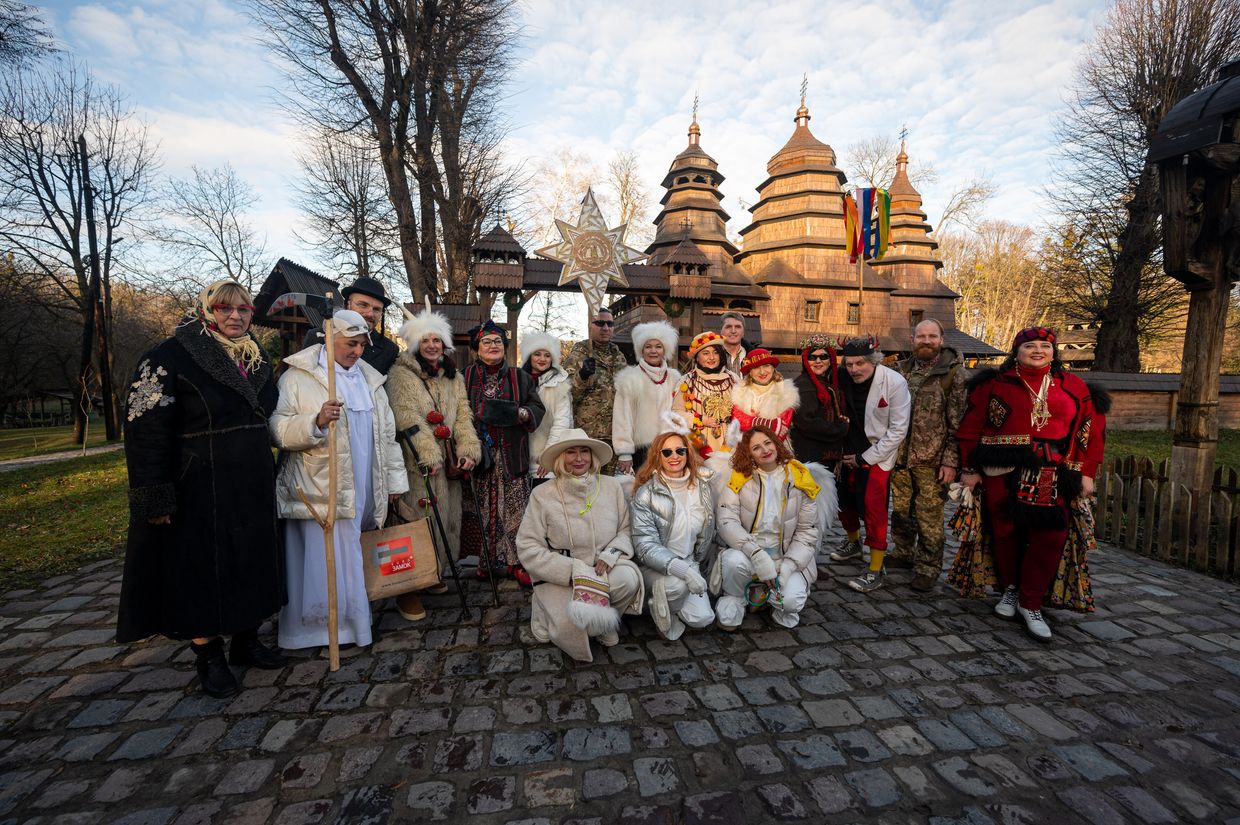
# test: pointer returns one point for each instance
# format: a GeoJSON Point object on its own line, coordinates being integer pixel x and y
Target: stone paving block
{"type": "Point", "coordinates": [1091, 806]}
{"type": "Point", "coordinates": [88, 747]}
{"type": "Point", "coordinates": [1040, 721]}
{"type": "Point", "coordinates": [356, 762]}
{"type": "Point", "coordinates": [718, 697]}
{"type": "Point", "coordinates": [339, 728]}
{"type": "Point", "coordinates": [600, 783]}
{"type": "Point", "coordinates": [473, 719]}
{"type": "Point", "coordinates": [783, 718]}
{"type": "Point", "coordinates": [695, 733]}
{"type": "Point", "coordinates": [304, 771]}
{"type": "Point", "coordinates": [812, 752]}
{"type": "Point", "coordinates": [1143, 805]}
{"type": "Point", "coordinates": [823, 683]}
{"type": "Point", "coordinates": [101, 712]}
{"type": "Point", "coordinates": [782, 803]}
{"type": "Point", "coordinates": [737, 724]}
{"type": "Point", "coordinates": [677, 673]}
{"type": "Point", "coordinates": [245, 777]}
{"type": "Point", "coordinates": [1004, 770]}
{"type": "Point", "coordinates": [523, 711]}
{"type": "Point", "coordinates": [552, 787]}
{"type": "Point", "coordinates": [146, 744]}
{"type": "Point", "coordinates": [670, 703]}
{"type": "Point", "coordinates": [758, 759]}
{"type": "Point", "coordinates": [120, 784]}
{"type": "Point", "coordinates": [1190, 799]}
{"type": "Point", "coordinates": [832, 713]}
{"type": "Point", "coordinates": [918, 784]}
{"type": "Point", "coordinates": [526, 748]}
{"type": "Point", "coordinates": [89, 684]}
{"type": "Point", "coordinates": [433, 800]}
{"type": "Point", "coordinates": [587, 744]}
{"type": "Point", "coordinates": [944, 735]}
{"type": "Point", "coordinates": [418, 722]}
{"type": "Point", "coordinates": [906, 741]}
{"type": "Point", "coordinates": [153, 707]}
{"type": "Point", "coordinates": [766, 690]}
{"type": "Point", "coordinates": [716, 808]}
{"type": "Point", "coordinates": [614, 707]}
{"type": "Point", "coordinates": [875, 787]}
{"type": "Point", "coordinates": [829, 794]}
{"type": "Point", "coordinates": [861, 745]}
{"type": "Point", "coordinates": [490, 795]}
{"type": "Point", "coordinates": [655, 776]}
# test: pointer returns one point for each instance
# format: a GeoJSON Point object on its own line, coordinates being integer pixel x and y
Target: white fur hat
{"type": "Point", "coordinates": [424, 323]}
{"type": "Point", "coordinates": [532, 342]}
{"type": "Point", "coordinates": [660, 330]}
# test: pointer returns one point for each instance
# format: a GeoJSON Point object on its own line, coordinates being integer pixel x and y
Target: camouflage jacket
{"type": "Point", "coordinates": [592, 402]}
{"type": "Point", "coordinates": [939, 399]}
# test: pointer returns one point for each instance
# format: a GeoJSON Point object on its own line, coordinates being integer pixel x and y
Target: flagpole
{"type": "Point", "coordinates": [860, 288]}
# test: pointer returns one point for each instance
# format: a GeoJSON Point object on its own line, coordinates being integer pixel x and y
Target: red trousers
{"type": "Point", "coordinates": [1026, 557]}
{"type": "Point", "coordinates": [863, 497]}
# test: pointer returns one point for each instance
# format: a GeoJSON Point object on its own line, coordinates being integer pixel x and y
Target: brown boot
{"type": "Point", "coordinates": [410, 607]}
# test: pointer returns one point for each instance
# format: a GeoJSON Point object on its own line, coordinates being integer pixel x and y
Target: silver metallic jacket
{"type": "Point", "coordinates": [651, 510]}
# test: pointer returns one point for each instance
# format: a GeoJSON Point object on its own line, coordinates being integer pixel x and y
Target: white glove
{"type": "Point", "coordinates": [787, 569]}
{"type": "Point", "coordinates": [763, 566]}
{"type": "Point", "coordinates": [681, 569]}
{"type": "Point", "coordinates": [694, 581]}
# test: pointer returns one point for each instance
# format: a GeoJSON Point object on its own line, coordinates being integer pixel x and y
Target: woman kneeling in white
{"type": "Point", "coordinates": [769, 522]}
{"type": "Point", "coordinates": [370, 473]}
{"type": "Point", "coordinates": [673, 510]}
{"type": "Point", "coordinates": [574, 542]}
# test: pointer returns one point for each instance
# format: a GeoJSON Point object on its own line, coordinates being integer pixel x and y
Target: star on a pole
{"type": "Point", "coordinates": [591, 254]}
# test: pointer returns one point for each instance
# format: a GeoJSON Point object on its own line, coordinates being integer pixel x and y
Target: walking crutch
{"type": "Point", "coordinates": [406, 436]}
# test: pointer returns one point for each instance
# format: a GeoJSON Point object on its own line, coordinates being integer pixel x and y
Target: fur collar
{"type": "Point", "coordinates": [211, 357]}
{"type": "Point", "coordinates": [634, 381]}
{"type": "Point", "coordinates": [768, 401]}
{"type": "Point", "coordinates": [552, 377]}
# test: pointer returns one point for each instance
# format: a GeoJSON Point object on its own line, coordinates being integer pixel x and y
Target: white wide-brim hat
{"type": "Point", "coordinates": [575, 438]}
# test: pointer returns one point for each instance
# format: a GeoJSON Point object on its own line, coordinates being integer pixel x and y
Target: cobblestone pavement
{"type": "Point", "coordinates": [893, 708]}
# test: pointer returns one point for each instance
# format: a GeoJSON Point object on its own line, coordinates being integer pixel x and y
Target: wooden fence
{"type": "Point", "coordinates": [1140, 509]}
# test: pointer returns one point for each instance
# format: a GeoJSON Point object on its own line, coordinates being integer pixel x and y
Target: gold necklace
{"type": "Point", "coordinates": [1040, 415]}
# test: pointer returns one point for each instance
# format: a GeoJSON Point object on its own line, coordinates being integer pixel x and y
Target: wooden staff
{"type": "Point", "coordinates": [329, 516]}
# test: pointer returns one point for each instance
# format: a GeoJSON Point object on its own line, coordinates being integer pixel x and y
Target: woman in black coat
{"type": "Point", "coordinates": [203, 559]}
{"type": "Point", "coordinates": [818, 423]}
{"type": "Point", "coordinates": [506, 410]}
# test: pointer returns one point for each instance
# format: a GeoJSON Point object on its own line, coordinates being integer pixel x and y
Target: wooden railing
{"type": "Point", "coordinates": [1140, 509]}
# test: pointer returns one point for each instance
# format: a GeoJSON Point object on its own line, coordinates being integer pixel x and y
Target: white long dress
{"type": "Point", "coordinates": [303, 621]}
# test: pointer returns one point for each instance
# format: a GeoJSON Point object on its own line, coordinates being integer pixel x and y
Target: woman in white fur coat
{"type": "Point", "coordinates": [541, 359]}
{"type": "Point", "coordinates": [575, 543]}
{"type": "Point", "coordinates": [764, 397]}
{"type": "Point", "coordinates": [644, 392]}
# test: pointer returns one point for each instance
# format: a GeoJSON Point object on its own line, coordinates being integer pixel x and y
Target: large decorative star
{"type": "Point", "coordinates": [592, 254]}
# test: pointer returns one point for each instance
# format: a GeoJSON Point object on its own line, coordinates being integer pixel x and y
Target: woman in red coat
{"type": "Point", "coordinates": [1032, 439]}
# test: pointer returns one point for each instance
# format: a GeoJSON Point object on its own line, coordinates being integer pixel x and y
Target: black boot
{"type": "Point", "coordinates": [217, 679]}
{"type": "Point", "coordinates": [246, 649]}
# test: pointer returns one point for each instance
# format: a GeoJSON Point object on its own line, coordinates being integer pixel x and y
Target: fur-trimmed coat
{"type": "Point", "coordinates": [554, 389]}
{"type": "Point", "coordinates": [638, 409]}
{"type": "Point", "coordinates": [554, 532]}
{"type": "Point", "coordinates": [198, 451]}
{"type": "Point", "coordinates": [771, 405]}
{"type": "Point", "coordinates": [412, 395]}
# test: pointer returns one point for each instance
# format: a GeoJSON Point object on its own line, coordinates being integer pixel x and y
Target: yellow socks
{"type": "Point", "coordinates": [855, 536]}
{"type": "Point", "coordinates": [876, 559]}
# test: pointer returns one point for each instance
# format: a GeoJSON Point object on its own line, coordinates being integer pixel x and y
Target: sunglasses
{"type": "Point", "coordinates": [224, 310]}
{"type": "Point", "coordinates": [668, 452]}
{"type": "Point", "coordinates": [604, 323]}
{"type": "Point", "coordinates": [813, 357]}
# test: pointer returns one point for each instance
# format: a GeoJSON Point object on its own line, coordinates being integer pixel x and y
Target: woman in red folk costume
{"type": "Point", "coordinates": [1032, 440]}
{"type": "Point", "coordinates": [764, 397]}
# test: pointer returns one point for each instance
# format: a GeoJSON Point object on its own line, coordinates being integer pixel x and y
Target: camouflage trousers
{"type": "Point", "coordinates": [917, 501]}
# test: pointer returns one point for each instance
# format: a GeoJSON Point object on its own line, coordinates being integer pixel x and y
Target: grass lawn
{"type": "Point", "coordinates": [56, 517]}
{"type": "Point", "coordinates": [39, 440]}
{"type": "Point", "coordinates": [1157, 445]}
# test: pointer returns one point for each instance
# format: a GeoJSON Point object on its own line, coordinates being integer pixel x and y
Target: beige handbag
{"type": "Point", "coordinates": [399, 558]}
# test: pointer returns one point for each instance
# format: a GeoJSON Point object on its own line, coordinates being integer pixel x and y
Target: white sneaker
{"type": "Point", "coordinates": [1035, 624]}
{"type": "Point", "coordinates": [1006, 608]}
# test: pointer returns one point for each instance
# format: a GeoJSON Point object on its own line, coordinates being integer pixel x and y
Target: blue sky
{"type": "Point", "coordinates": [977, 82]}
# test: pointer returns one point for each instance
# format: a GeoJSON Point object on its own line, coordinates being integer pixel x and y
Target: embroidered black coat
{"type": "Point", "coordinates": [197, 448]}
{"type": "Point", "coordinates": [509, 444]}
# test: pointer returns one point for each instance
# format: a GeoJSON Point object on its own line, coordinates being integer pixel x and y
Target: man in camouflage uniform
{"type": "Point", "coordinates": [929, 458]}
{"type": "Point", "coordinates": [592, 365]}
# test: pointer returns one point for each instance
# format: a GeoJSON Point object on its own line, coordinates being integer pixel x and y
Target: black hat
{"type": "Point", "coordinates": [861, 346]}
{"type": "Point", "coordinates": [367, 286]}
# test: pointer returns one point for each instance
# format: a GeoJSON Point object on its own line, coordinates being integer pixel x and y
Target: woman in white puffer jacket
{"type": "Point", "coordinates": [540, 357]}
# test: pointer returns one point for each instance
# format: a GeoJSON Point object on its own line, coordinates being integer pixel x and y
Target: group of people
{"type": "Point", "coordinates": [609, 488]}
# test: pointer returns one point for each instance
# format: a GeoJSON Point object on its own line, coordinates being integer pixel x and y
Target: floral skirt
{"type": "Point", "coordinates": [503, 500]}
{"type": "Point", "coordinates": [973, 570]}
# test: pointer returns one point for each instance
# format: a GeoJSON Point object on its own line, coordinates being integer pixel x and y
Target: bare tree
{"type": "Point", "coordinates": [411, 76]}
{"type": "Point", "coordinates": [872, 162]}
{"type": "Point", "coordinates": [23, 34]}
{"type": "Point", "coordinates": [1146, 56]}
{"type": "Point", "coordinates": [632, 197]}
{"type": "Point", "coordinates": [556, 186]}
{"type": "Point", "coordinates": [42, 195]}
{"type": "Point", "coordinates": [995, 270]}
{"type": "Point", "coordinates": [348, 215]}
{"type": "Point", "coordinates": [205, 227]}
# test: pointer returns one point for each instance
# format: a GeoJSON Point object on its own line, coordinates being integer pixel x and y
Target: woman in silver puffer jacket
{"type": "Point", "coordinates": [673, 528]}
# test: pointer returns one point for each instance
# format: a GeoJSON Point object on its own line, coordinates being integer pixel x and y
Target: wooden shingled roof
{"type": "Point", "coordinates": [290, 276]}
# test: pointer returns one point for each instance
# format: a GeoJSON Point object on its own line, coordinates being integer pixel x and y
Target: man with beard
{"type": "Point", "coordinates": [928, 458]}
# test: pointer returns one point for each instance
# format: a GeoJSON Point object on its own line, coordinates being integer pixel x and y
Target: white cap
{"type": "Point", "coordinates": [348, 323]}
